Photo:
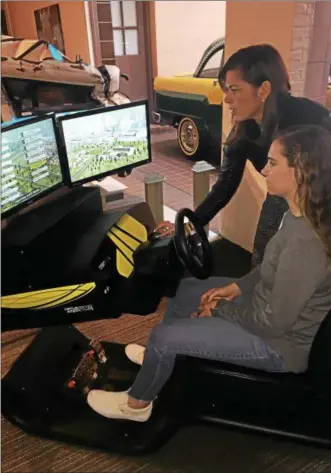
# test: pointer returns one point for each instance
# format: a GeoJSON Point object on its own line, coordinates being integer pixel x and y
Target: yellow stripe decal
{"type": "Point", "coordinates": [125, 250]}
{"type": "Point", "coordinates": [46, 297]}
{"type": "Point", "coordinates": [124, 267]}
{"type": "Point", "coordinates": [127, 235]}
{"type": "Point", "coordinates": [78, 294]}
{"type": "Point", "coordinates": [125, 238]}
{"type": "Point", "coordinates": [133, 227]}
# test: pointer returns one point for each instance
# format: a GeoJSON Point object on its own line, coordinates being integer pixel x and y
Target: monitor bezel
{"type": "Point", "coordinates": [96, 177]}
{"type": "Point", "coordinates": [20, 124]}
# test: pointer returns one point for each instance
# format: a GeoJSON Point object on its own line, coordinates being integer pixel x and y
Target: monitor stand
{"type": "Point", "coordinates": [110, 190]}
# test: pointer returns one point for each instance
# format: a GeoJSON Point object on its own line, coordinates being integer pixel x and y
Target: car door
{"type": "Point", "coordinates": [209, 68]}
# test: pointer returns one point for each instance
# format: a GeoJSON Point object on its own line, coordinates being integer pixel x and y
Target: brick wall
{"type": "Point", "coordinates": [303, 26]}
{"type": "Point", "coordinates": [311, 49]}
{"type": "Point", "coordinates": [320, 54]}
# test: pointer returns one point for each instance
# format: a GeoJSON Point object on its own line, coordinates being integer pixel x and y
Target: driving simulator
{"type": "Point", "coordinates": [67, 261]}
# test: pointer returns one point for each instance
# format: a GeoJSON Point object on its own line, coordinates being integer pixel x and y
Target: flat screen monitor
{"type": "Point", "coordinates": [30, 163]}
{"type": "Point", "coordinates": [102, 142]}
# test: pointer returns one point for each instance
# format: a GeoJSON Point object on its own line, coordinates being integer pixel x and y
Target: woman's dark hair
{"type": "Point", "coordinates": [308, 150]}
{"type": "Point", "coordinates": [256, 65]}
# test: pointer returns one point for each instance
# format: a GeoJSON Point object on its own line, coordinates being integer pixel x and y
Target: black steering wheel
{"type": "Point", "coordinates": [192, 245]}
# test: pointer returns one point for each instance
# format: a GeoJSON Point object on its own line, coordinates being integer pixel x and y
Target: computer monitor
{"type": "Point", "coordinates": [101, 142]}
{"type": "Point", "coordinates": [30, 164]}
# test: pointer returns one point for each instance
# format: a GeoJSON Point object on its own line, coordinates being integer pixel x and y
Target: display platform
{"type": "Point", "coordinates": [36, 397]}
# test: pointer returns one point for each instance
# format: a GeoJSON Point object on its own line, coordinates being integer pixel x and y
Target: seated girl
{"type": "Point", "coordinates": [265, 320]}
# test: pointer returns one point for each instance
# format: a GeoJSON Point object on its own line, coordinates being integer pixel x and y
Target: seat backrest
{"type": "Point", "coordinates": [320, 356]}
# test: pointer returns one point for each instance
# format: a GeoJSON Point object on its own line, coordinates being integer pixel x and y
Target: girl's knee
{"type": "Point", "coordinates": [185, 285]}
{"type": "Point", "coordinates": [160, 335]}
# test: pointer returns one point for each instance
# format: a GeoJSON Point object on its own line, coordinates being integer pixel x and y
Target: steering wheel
{"type": "Point", "coordinates": [192, 245]}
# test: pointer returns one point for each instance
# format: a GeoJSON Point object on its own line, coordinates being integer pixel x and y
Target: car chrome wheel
{"type": "Point", "coordinates": [188, 136]}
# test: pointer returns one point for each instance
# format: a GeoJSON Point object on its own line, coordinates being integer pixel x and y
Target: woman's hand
{"type": "Point", "coordinates": [166, 228]}
{"type": "Point", "coordinates": [229, 293]}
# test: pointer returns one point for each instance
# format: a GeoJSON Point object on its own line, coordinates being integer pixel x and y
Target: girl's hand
{"type": "Point", "coordinates": [204, 310]}
{"type": "Point", "coordinates": [229, 293]}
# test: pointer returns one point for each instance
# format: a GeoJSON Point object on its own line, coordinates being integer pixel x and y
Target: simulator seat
{"type": "Point", "coordinates": [290, 405]}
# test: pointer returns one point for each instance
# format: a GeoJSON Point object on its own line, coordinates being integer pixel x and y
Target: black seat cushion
{"type": "Point", "coordinates": [241, 372]}
{"type": "Point", "coordinates": [230, 384]}
{"type": "Point", "coordinates": [318, 374]}
{"type": "Point", "coordinates": [320, 356]}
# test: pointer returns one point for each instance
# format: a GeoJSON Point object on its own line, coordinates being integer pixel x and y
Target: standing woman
{"type": "Point", "coordinates": [257, 90]}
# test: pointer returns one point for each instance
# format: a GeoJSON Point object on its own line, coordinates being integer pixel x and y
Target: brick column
{"type": "Point", "coordinates": [320, 54]}
{"type": "Point", "coordinates": [303, 25]}
{"type": "Point", "coordinates": [311, 51]}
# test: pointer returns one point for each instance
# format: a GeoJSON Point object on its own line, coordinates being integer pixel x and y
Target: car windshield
{"type": "Point", "coordinates": [212, 67]}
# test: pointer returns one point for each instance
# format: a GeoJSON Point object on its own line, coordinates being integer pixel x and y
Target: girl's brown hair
{"type": "Point", "coordinates": [308, 150]}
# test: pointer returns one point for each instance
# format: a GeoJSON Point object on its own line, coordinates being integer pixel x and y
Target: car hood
{"type": "Point", "coordinates": [185, 84]}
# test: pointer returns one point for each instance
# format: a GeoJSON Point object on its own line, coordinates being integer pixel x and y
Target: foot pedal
{"type": "Point", "coordinates": [86, 373]}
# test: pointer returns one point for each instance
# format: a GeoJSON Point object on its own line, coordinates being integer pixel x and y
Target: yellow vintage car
{"type": "Point", "coordinates": [192, 103]}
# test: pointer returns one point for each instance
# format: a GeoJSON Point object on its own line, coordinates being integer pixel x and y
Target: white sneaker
{"type": "Point", "coordinates": [135, 353]}
{"type": "Point", "coordinates": [115, 406]}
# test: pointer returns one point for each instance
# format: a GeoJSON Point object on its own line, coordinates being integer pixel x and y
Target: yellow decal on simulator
{"type": "Point", "coordinates": [46, 298]}
{"type": "Point", "coordinates": [130, 225]}
{"type": "Point", "coordinates": [127, 234]}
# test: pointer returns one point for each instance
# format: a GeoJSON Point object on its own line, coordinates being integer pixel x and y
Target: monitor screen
{"type": "Point", "coordinates": [101, 142]}
{"type": "Point", "coordinates": [30, 165]}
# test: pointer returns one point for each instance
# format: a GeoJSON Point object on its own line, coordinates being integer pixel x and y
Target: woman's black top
{"type": "Point", "coordinates": [291, 111]}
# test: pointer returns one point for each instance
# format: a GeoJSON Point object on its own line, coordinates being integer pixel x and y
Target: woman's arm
{"type": "Point", "coordinates": [230, 176]}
